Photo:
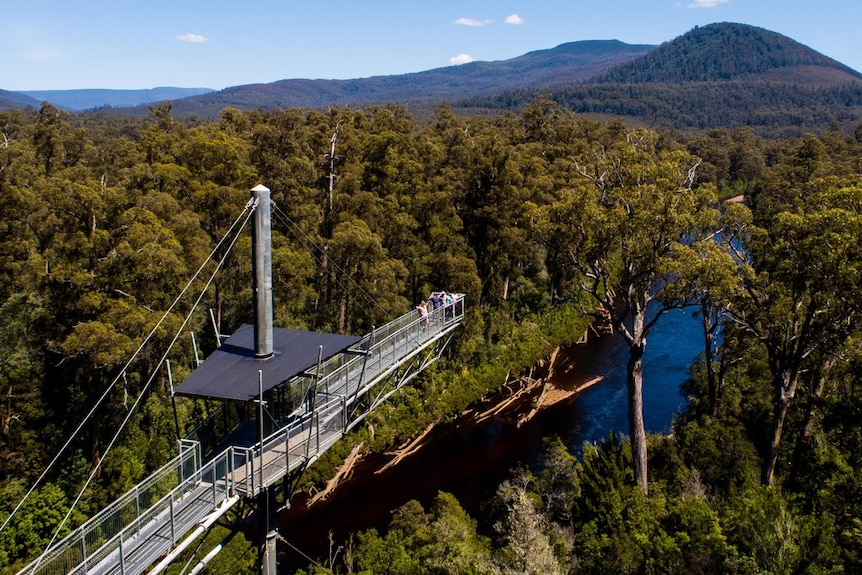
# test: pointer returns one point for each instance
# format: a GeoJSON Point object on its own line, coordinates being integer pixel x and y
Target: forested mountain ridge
{"type": "Point", "coordinates": [721, 75]}
{"type": "Point", "coordinates": [575, 61]}
{"type": "Point", "coordinates": [572, 61]}
{"type": "Point", "coordinates": [11, 100]}
{"type": "Point", "coordinates": [87, 99]}
{"type": "Point", "coordinates": [728, 51]}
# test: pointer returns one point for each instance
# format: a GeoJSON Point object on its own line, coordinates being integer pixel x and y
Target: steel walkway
{"type": "Point", "coordinates": [179, 501]}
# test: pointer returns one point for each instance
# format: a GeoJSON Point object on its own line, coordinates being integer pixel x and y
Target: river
{"type": "Point", "coordinates": [471, 461]}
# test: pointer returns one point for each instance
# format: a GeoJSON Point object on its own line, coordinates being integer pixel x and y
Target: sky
{"type": "Point", "coordinates": [137, 44]}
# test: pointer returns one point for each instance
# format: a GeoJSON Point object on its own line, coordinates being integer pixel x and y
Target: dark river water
{"type": "Point", "coordinates": [470, 461]}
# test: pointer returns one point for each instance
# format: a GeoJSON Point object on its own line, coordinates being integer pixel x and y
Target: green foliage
{"type": "Point", "coordinates": [34, 525]}
{"type": "Point", "coordinates": [442, 540]}
{"type": "Point", "coordinates": [238, 555]}
{"type": "Point", "coordinates": [105, 219]}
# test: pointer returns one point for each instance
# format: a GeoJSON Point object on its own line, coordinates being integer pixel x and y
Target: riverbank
{"type": "Point", "coordinates": [581, 399]}
{"type": "Point", "coordinates": [468, 456]}
{"type": "Point", "coordinates": [551, 381]}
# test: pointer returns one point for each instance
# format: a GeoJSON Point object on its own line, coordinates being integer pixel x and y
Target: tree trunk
{"type": "Point", "coordinates": [634, 382]}
{"type": "Point", "coordinates": [342, 312]}
{"type": "Point", "coordinates": [811, 416]}
{"type": "Point", "coordinates": [635, 337]}
{"type": "Point", "coordinates": [786, 390]}
{"type": "Point", "coordinates": [322, 287]}
{"type": "Point", "coordinates": [804, 443]}
{"type": "Point", "coordinates": [709, 356]}
{"type": "Point", "coordinates": [772, 457]}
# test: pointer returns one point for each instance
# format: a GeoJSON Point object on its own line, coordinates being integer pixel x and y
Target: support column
{"type": "Point", "coordinates": [261, 241]}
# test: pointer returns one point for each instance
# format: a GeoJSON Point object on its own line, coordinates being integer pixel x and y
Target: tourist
{"type": "Point", "coordinates": [422, 308]}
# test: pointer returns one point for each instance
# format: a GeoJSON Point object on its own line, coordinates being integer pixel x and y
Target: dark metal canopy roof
{"type": "Point", "coordinates": [231, 371]}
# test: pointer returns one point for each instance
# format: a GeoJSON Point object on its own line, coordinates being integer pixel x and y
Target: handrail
{"type": "Point", "coordinates": [79, 546]}
{"type": "Point", "coordinates": [119, 539]}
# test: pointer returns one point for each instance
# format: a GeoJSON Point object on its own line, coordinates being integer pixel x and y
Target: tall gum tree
{"type": "Point", "coordinates": [799, 295]}
{"type": "Point", "coordinates": [623, 230]}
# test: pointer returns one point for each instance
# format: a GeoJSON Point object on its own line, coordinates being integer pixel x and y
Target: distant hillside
{"type": "Point", "coordinates": [89, 99]}
{"type": "Point", "coordinates": [722, 74]}
{"type": "Point", "coordinates": [13, 100]}
{"type": "Point", "coordinates": [570, 62]}
{"type": "Point", "coordinates": [730, 52]}
{"type": "Point", "coordinates": [717, 75]}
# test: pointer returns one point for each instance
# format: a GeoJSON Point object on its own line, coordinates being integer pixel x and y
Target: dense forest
{"type": "Point", "coordinates": [548, 222]}
{"type": "Point", "coordinates": [772, 109]}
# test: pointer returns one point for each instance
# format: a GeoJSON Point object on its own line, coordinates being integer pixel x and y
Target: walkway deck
{"type": "Point", "coordinates": [133, 533]}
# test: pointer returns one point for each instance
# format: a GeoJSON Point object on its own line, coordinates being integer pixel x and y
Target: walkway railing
{"type": "Point", "coordinates": [84, 547]}
{"type": "Point", "coordinates": [136, 530]}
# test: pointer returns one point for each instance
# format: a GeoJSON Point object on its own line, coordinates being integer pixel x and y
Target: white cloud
{"type": "Point", "coordinates": [472, 22]}
{"type": "Point", "coordinates": [706, 3]}
{"type": "Point", "coordinates": [514, 19]}
{"type": "Point", "coordinates": [193, 38]}
{"type": "Point", "coordinates": [461, 59]}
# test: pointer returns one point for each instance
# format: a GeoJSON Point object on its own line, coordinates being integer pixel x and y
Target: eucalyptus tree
{"type": "Point", "coordinates": [799, 294]}
{"type": "Point", "coordinates": [626, 229]}
{"type": "Point", "coordinates": [708, 278]}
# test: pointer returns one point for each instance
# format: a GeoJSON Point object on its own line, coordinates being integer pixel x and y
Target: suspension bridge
{"type": "Point", "coordinates": [308, 390]}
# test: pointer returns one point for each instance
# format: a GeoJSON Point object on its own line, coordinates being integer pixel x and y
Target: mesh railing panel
{"type": "Point", "coordinates": [85, 542]}
{"type": "Point", "coordinates": [171, 500]}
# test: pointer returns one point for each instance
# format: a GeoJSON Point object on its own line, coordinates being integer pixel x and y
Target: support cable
{"type": "Point", "coordinates": [149, 381]}
{"type": "Point", "coordinates": [297, 549]}
{"type": "Point", "coordinates": [122, 372]}
{"type": "Point", "coordinates": [305, 240]}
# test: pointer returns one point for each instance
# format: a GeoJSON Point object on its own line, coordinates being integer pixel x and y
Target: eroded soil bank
{"type": "Point", "coordinates": [468, 457]}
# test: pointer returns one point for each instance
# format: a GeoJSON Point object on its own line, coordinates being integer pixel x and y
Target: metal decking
{"type": "Point", "coordinates": [183, 497]}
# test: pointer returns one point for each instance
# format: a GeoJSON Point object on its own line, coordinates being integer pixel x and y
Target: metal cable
{"type": "Point", "coordinates": [123, 370]}
{"type": "Point", "coordinates": [153, 374]}
{"type": "Point", "coordinates": [294, 228]}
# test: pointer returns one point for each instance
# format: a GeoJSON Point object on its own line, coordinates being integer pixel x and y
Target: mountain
{"type": "Point", "coordinates": [572, 62]}
{"type": "Point", "coordinates": [723, 74]}
{"type": "Point", "coordinates": [718, 75]}
{"type": "Point", "coordinates": [11, 100]}
{"type": "Point", "coordinates": [88, 99]}
{"type": "Point", "coordinates": [727, 51]}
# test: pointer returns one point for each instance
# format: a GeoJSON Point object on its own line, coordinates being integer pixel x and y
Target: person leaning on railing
{"type": "Point", "coordinates": [422, 308]}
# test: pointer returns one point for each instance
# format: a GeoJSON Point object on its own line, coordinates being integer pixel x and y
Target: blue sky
{"type": "Point", "coordinates": [132, 44]}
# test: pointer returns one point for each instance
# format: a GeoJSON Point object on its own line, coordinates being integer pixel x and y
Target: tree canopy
{"type": "Point", "coordinates": [547, 222]}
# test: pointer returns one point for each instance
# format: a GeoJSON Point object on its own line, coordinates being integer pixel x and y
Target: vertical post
{"type": "Point", "coordinates": [343, 414]}
{"type": "Point", "coordinates": [122, 559]}
{"type": "Point", "coordinates": [261, 239]}
{"type": "Point", "coordinates": [84, 547]}
{"type": "Point", "coordinates": [260, 421]}
{"type": "Point", "coordinates": [230, 463]}
{"type": "Point", "coordinates": [195, 347]}
{"type": "Point", "coordinates": [173, 528]}
{"type": "Point", "coordinates": [215, 328]}
{"type": "Point", "coordinates": [173, 398]}
{"type": "Point", "coordinates": [267, 549]}
{"type": "Point", "coordinates": [361, 381]}
{"type": "Point", "coordinates": [319, 361]}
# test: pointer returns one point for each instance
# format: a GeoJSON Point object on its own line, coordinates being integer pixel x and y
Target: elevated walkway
{"type": "Point", "coordinates": [181, 500]}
